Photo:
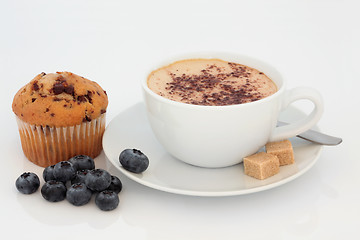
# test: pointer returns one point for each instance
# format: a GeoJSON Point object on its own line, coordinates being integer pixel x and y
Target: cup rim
{"type": "Point", "coordinates": [223, 56]}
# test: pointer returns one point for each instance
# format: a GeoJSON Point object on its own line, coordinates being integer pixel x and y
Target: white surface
{"type": "Point", "coordinates": [312, 43]}
{"type": "Point", "coordinates": [168, 174]}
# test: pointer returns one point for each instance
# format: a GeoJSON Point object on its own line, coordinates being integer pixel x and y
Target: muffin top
{"type": "Point", "coordinates": [59, 99]}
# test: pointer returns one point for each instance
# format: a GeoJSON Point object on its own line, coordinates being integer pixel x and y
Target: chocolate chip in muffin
{"type": "Point", "coordinates": [81, 98]}
{"type": "Point", "coordinates": [61, 79]}
{"type": "Point", "coordinates": [88, 96]}
{"type": "Point", "coordinates": [69, 89]}
{"type": "Point", "coordinates": [87, 119]}
{"type": "Point", "coordinates": [35, 86]}
{"type": "Point", "coordinates": [58, 88]}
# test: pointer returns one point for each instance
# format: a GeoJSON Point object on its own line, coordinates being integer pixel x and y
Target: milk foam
{"type": "Point", "coordinates": [212, 82]}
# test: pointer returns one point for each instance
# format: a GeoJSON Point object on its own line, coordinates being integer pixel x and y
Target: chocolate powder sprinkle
{"type": "Point", "coordinates": [186, 85]}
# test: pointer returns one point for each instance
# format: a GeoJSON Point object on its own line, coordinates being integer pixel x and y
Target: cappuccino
{"type": "Point", "coordinates": [210, 82]}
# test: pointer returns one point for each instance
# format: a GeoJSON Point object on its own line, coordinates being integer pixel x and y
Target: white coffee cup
{"type": "Point", "coordinates": [221, 136]}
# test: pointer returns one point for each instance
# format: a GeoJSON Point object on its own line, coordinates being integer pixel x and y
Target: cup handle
{"type": "Point", "coordinates": [293, 129]}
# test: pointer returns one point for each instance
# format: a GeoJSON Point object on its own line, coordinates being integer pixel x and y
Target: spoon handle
{"type": "Point", "coordinates": [317, 137]}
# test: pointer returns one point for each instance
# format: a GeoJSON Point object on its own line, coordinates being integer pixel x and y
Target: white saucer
{"type": "Point", "coordinates": [130, 129]}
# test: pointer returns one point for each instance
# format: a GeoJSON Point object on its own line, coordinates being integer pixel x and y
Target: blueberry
{"type": "Point", "coordinates": [107, 200]}
{"type": "Point", "coordinates": [115, 185]}
{"type": "Point", "coordinates": [98, 180]}
{"type": "Point", "coordinates": [80, 176]}
{"type": "Point", "coordinates": [48, 173]}
{"type": "Point", "coordinates": [64, 171]}
{"type": "Point", "coordinates": [134, 160]}
{"type": "Point", "coordinates": [81, 162]}
{"type": "Point", "coordinates": [53, 191]}
{"type": "Point", "coordinates": [27, 183]}
{"type": "Point", "coordinates": [78, 194]}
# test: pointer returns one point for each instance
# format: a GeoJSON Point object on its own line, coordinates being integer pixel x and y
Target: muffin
{"type": "Point", "coordinates": [60, 115]}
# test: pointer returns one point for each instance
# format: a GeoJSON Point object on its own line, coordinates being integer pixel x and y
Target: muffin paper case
{"type": "Point", "coordinates": [45, 146]}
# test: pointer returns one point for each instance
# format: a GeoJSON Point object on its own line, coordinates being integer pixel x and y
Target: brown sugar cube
{"type": "Point", "coordinates": [261, 165]}
{"type": "Point", "coordinates": [283, 150]}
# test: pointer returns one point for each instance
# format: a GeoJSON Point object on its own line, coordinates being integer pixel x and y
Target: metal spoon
{"type": "Point", "coordinates": [316, 137]}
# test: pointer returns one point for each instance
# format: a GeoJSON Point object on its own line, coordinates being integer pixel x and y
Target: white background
{"type": "Point", "coordinates": [311, 42]}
